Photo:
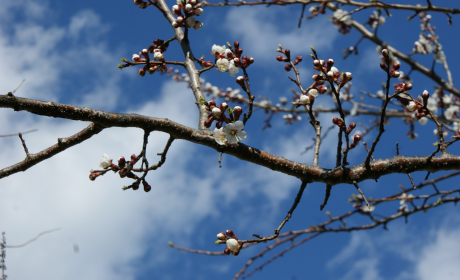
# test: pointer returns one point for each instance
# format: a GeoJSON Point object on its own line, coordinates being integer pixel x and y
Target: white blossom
{"type": "Point", "coordinates": [190, 22]}
{"type": "Point", "coordinates": [369, 209]}
{"type": "Point", "coordinates": [234, 132]}
{"type": "Point", "coordinates": [198, 25]}
{"type": "Point", "coordinates": [432, 105]}
{"type": "Point", "coordinates": [232, 69]}
{"type": "Point", "coordinates": [404, 197]}
{"type": "Point", "coordinates": [411, 106]}
{"type": "Point", "coordinates": [220, 136]}
{"type": "Point", "coordinates": [449, 113]}
{"type": "Point", "coordinates": [341, 16]}
{"type": "Point", "coordinates": [158, 55]}
{"type": "Point", "coordinates": [313, 92]}
{"type": "Point", "coordinates": [232, 244]}
{"type": "Point", "coordinates": [222, 64]}
{"type": "Point", "coordinates": [198, 11]}
{"type": "Point", "coordinates": [423, 121]}
{"type": "Point", "coordinates": [304, 99]}
{"type": "Point", "coordinates": [218, 49]}
{"type": "Point", "coordinates": [439, 56]}
{"type": "Point", "coordinates": [105, 161]}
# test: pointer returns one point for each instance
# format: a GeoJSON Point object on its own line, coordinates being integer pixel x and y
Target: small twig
{"type": "Point", "coordinates": [33, 239]}
{"type": "Point", "coordinates": [367, 149]}
{"type": "Point", "coordinates": [411, 180]}
{"type": "Point", "coordinates": [15, 134]}
{"type": "Point", "coordinates": [301, 15]}
{"type": "Point", "coordinates": [435, 188]}
{"type": "Point", "coordinates": [326, 196]}
{"type": "Point", "coordinates": [24, 144]}
{"type": "Point", "coordinates": [397, 148]}
{"type": "Point", "coordinates": [362, 194]}
{"type": "Point", "coordinates": [220, 160]}
{"type": "Point", "coordinates": [10, 93]}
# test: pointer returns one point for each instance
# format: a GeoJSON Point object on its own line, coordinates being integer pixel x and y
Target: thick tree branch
{"type": "Point", "coordinates": [358, 173]}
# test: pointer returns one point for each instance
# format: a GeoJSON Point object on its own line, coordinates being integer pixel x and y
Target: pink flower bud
{"type": "Point", "coordinates": [396, 66]}
{"type": "Point", "coordinates": [280, 58]}
{"type": "Point", "coordinates": [230, 233]}
{"type": "Point", "coordinates": [288, 67]}
{"type": "Point", "coordinates": [147, 187]}
{"type": "Point", "coordinates": [121, 162]}
{"type": "Point", "coordinates": [237, 111]}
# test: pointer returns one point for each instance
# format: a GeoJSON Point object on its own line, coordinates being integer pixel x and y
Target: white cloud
{"type": "Point", "coordinates": [427, 255]}
{"type": "Point", "coordinates": [259, 36]}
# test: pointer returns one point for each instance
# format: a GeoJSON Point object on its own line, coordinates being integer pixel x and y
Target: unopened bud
{"type": "Point", "coordinates": [237, 111]}
{"type": "Point", "coordinates": [408, 86]}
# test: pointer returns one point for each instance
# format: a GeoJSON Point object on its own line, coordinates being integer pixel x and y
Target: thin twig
{"type": "Point", "coordinates": [33, 239]}
{"type": "Point", "coordinates": [16, 134]}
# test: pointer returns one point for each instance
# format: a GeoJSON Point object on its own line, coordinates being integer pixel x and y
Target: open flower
{"type": "Point", "coordinates": [105, 161]}
{"type": "Point", "coordinates": [220, 136]}
{"type": "Point", "coordinates": [234, 132]}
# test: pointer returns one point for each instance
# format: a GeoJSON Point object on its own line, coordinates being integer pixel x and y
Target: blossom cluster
{"type": "Point", "coordinates": [427, 43]}
{"type": "Point", "coordinates": [124, 169]}
{"type": "Point", "coordinates": [186, 10]}
{"type": "Point", "coordinates": [332, 73]}
{"type": "Point", "coordinates": [375, 20]}
{"type": "Point", "coordinates": [151, 66]}
{"type": "Point", "coordinates": [233, 131]}
{"type": "Point", "coordinates": [229, 61]}
{"type": "Point", "coordinates": [232, 242]}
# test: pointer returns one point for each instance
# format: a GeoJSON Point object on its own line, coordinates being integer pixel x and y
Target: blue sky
{"type": "Point", "coordinates": [68, 52]}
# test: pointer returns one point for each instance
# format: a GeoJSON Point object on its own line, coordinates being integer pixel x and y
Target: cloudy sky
{"type": "Point", "coordinates": [68, 52]}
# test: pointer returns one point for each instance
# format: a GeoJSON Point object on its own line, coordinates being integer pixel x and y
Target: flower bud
{"type": "Point", "coordinates": [232, 244]}
{"type": "Point", "coordinates": [356, 138]}
{"type": "Point", "coordinates": [237, 111]}
{"type": "Point", "coordinates": [216, 112]}
{"type": "Point", "coordinates": [288, 67]}
{"type": "Point", "coordinates": [208, 122]}
{"type": "Point", "coordinates": [230, 233]}
{"type": "Point", "coordinates": [141, 72]}
{"type": "Point", "coordinates": [304, 99]}
{"type": "Point", "coordinates": [383, 66]}
{"type": "Point", "coordinates": [223, 106]}
{"type": "Point", "coordinates": [280, 58]}
{"type": "Point", "coordinates": [121, 162]}
{"type": "Point", "coordinates": [147, 187]}
{"type": "Point", "coordinates": [288, 53]}
{"type": "Point", "coordinates": [396, 65]}
{"type": "Point", "coordinates": [385, 53]}
{"type": "Point", "coordinates": [408, 86]}
{"type": "Point", "coordinates": [221, 236]}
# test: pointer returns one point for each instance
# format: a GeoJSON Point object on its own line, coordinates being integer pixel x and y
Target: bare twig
{"type": "Point", "coordinates": [33, 239]}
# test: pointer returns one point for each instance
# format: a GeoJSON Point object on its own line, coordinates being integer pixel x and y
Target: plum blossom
{"type": "Point", "coordinates": [449, 113]}
{"type": "Point", "coordinates": [342, 16]}
{"type": "Point", "coordinates": [220, 136]}
{"type": "Point", "coordinates": [222, 64]}
{"type": "Point", "coordinates": [406, 198]}
{"type": "Point", "coordinates": [105, 161]}
{"type": "Point", "coordinates": [218, 49]}
{"type": "Point", "coordinates": [234, 132]}
{"type": "Point", "coordinates": [423, 121]}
